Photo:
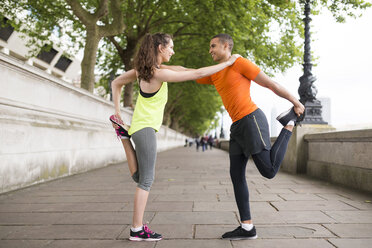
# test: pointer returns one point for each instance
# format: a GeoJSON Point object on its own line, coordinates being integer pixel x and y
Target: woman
{"type": "Point", "coordinates": [148, 116]}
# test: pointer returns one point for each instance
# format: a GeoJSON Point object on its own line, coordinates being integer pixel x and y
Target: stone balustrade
{"type": "Point", "coordinates": [340, 157]}
{"type": "Point", "coordinates": [51, 129]}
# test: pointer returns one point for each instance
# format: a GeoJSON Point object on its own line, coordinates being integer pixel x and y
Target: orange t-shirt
{"type": "Point", "coordinates": [233, 84]}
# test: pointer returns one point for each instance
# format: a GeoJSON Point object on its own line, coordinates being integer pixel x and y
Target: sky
{"type": "Point", "coordinates": [343, 71]}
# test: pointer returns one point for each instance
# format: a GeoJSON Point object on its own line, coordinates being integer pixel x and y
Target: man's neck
{"type": "Point", "coordinates": [225, 58]}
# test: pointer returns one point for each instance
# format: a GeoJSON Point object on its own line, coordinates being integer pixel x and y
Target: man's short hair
{"type": "Point", "coordinates": [225, 38]}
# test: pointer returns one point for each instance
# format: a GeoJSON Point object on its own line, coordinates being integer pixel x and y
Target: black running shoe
{"type": "Point", "coordinates": [240, 233]}
{"type": "Point", "coordinates": [144, 235]}
{"type": "Point", "coordinates": [288, 116]}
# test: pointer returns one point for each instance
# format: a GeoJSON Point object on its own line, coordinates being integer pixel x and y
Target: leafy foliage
{"type": "Point", "coordinates": [342, 8]}
{"type": "Point", "coordinates": [265, 31]}
{"type": "Point", "coordinates": [44, 23]}
{"type": "Point", "coordinates": [41, 20]}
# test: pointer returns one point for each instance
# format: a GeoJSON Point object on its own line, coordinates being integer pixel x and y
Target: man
{"type": "Point", "coordinates": [250, 130]}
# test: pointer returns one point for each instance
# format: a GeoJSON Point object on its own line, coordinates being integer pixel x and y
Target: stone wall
{"type": "Point", "coordinates": [50, 129]}
{"type": "Point", "coordinates": [297, 152]}
{"type": "Point", "coordinates": [341, 157]}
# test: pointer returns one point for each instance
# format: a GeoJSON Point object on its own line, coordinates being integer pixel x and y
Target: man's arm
{"type": "Point", "coordinates": [176, 68]}
{"type": "Point", "coordinates": [265, 81]}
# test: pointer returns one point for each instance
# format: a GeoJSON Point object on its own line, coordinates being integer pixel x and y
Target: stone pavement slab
{"type": "Point", "coordinates": [291, 217]}
{"type": "Point", "coordinates": [24, 243]}
{"type": "Point", "coordinates": [61, 207]}
{"type": "Point", "coordinates": [166, 206]}
{"type": "Point", "coordinates": [351, 230]}
{"type": "Point", "coordinates": [360, 204]}
{"type": "Point", "coordinates": [253, 196]}
{"type": "Point", "coordinates": [195, 218]}
{"type": "Point", "coordinates": [31, 218]}
{"type": "Point", "coordinates": [279, 243]}
{"type": "Point", "coordinates": [191, 204]}
{"type": "Point", "coordinates": [300, 197]}
{"type": "Point", "coordinates": [213, 243]}
{"type": "Point", "coordinates": [311, 205]}
{"type": "Point", "coordinates": [351, 216]}
{"type": "Point", "coordinates": [187, 197]}
{"type": "Point", "coordinates": [229, 206]}
{"type": "Point", "coordinates": [100, 218]}
{"type": "Point", "coordinates": [300, 217]}
{"type": "Point", "coordinates": [99, 244]}
{"type": "Point", "coordinates": [66, 232]}
{"type": "Point", "coordinates": [268, 231]}
{"type": "Point", "coordinates": [294, 231]}
{"type": "Point", "coordinates": [75, 243]}
{"type": "Point", "coordinates": [347, 243]}
{"type": "Point", "coordinates": [6, 230]}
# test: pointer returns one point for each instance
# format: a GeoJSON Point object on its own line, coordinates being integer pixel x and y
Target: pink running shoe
{"type": "Point", "coordinates": [145, 235]}
{"type": "Point", "coordinates": [122, 131]}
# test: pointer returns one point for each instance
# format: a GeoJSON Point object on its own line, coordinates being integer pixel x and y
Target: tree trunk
{"type": "Point", "coordinates": [126, 57]}
{"type": "Point", "coordinates": [175, 123]}
{"type": "Point", "coordinates": [128, 95]}
{"type": "Point", "coordinates": [89, 60]}
{"type": "Point", "coordinates": [166, 119]}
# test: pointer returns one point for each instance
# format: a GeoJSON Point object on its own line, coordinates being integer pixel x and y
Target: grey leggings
{"type": "Point", "coordinates": [145, 142]}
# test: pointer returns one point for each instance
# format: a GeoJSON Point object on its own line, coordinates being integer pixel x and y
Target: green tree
{"type": "Point", "coordinates": [94, 19]}
{"type": "Point", "coordinates": [193, 23]}
{"type": "Point", "coordinates": [341, 8]}
{"type": "Point", "coordinates": [265, 31]}
{"type": "Point", "coordinates": [106, 20]}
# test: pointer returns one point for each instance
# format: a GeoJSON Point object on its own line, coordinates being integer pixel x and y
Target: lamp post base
{"type": "Point", "coordinates": [313, 113]}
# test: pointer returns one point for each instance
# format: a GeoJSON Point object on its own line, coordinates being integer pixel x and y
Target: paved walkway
{"type": "Point", "coordinates": [191, 204]}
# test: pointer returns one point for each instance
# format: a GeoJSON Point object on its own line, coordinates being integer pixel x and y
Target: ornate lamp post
{"type": "Point", "coordinates": [222, 134]}
{"type": "Point", "coordinates": [110, 82]}
{"type": "Point", "coordinates": [307, 90]}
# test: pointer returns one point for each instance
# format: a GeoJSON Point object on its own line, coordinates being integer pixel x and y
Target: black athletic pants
{"type": "Point", "coordinates": [268, 164]}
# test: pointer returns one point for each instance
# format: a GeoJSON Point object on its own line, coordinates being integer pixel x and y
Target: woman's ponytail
{"type": "Point", "coordinates": [145, 61]}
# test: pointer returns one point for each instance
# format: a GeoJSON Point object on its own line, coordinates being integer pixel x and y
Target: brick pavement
{"type": "Point", "coordinates": [191, 204]}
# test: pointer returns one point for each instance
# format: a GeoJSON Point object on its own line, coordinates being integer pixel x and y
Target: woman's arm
{"type": "Point", "coordinates": [117, 84]}
{"type": "Point", "coordinates": [265, 81]}
{"type": "Point", "coordinates": [176, 68]}
{"type": "Point", "coordinates": [166, 75]}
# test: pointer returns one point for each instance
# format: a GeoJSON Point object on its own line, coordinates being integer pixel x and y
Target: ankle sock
{"type": "Point", "coordinates": [136, 229]}
{"type": "Point", "coordinates": [291, 123]}
{"type": "Point", "coordinates": [247, 227]}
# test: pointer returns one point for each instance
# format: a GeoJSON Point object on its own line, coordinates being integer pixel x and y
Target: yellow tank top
{"type": "Point", "coordinates": [149, 111]}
